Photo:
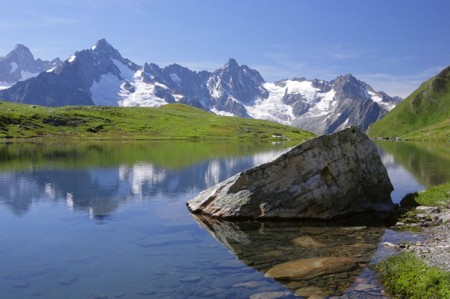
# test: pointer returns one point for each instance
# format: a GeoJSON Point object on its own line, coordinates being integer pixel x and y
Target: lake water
{"type": "Point", "coordinates": [108, 220]}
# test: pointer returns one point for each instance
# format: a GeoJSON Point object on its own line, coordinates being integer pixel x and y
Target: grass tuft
{"type": "Point", "coordinates": [406, 276]}
{"type": "Point", "coordinates": [432, 196]}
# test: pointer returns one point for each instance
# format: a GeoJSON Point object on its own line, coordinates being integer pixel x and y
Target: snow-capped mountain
{"type": "Point", "coordinates": [234, 87]}
{"type": "Point", "coordinates": [19, 65]}
{"type": "Point", "coordinates": [323, 106]}
{"type": "Point", "coordinates": [101, 76]}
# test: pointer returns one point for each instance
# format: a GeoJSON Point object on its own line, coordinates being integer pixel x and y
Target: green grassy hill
{"type": "Point", "coordinates": [173, 121]}
{"type": "Point", "coordinates": [425, 114]}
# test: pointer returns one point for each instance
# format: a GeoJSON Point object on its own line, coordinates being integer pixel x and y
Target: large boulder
{"type": "Point", "coordinates": [325, 177]}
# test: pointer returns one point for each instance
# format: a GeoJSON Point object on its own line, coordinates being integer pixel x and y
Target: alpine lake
{"type": "Point", "coordinates": [109, 220]}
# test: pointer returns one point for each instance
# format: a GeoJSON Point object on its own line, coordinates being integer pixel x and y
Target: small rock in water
{"type": "Point", "coordinates": [307, 241]}
{"type": "Point", "coordinates": [312, 267]}
{"type": "Point", "coordinates": [390, 245]}
{"type": "Point", "coordinates": [363, 287]}
{"type": "Point", "coordinates": [248, 285]}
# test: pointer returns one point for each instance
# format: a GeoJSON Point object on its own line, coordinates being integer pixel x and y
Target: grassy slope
{"type": "Point", "coordinates": [438, 131]}
{"type": "Point", "coordinates": [173, 121]}
{"type": "Point", "coordinates": [424, 114]}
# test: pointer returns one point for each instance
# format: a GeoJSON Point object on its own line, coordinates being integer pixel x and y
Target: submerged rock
{"type": "Point", "coordinates": [325, 177]}
{"type": "Point", "coordinates": [312, 267]}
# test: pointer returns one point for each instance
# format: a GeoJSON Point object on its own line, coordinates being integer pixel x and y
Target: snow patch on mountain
{"type": "Point", "coordinates": [72, 58]}
{"type": "Point", "coordinates": [143, 95]}
{"type": "Point", "coordinates": [27, 75]}
{"type": "Point", "coordinates": [14, 67]}
{"type": "Point", "coordinates": [379, 100]}
{"type": "Point", "coordinates": [175, 78]}
{"type": "Point", "coordinates": [304, 88]}
{"type": "Point", "coordinates": [222, 113]}
{"type": "Point", "coordinates": [4, 85]}
{"type": "Point", "coordinates": [125, 71]}
{"type": "Point", "coordinates": [272, 108]}
{"type": "Point", "coordinates": [325, 103]}
{"type": "Point", "coordinates": [105, 92]}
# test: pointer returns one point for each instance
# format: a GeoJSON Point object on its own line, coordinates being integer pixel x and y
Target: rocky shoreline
{"type": "Point", "coordinates": [435, 224]}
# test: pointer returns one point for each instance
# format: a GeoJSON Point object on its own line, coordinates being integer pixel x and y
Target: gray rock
{"type": "Point", "coordinates": [325, 177]}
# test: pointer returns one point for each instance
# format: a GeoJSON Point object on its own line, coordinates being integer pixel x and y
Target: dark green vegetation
{"type": "Point", "coordinates": [173, 121]}
{"type": "Point", "coordinates": [406, 276]}
{"type": "Point", "coordinates": [424, 115]}
{"type": "Point", "coordinates": [433, 196]}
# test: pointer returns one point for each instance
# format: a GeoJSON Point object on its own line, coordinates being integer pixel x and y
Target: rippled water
{"type": "Point", "coordinates": [104, 220]}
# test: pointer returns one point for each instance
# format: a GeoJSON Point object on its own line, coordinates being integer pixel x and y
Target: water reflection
{"type": "Point", "coordinates": [148, 243]}
{"type": "Point", "coordinates": [311, 259]}
{"type": "Point", "coordinates": [99, 191]}
{"type": "Point", "coordinates": [429, 162]}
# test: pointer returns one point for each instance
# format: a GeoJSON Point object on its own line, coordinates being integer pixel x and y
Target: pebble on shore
{"type": "Point", "coordinates": [435, 223]}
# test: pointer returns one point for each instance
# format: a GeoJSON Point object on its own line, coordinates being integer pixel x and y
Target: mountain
{"type": "Point", "coordinates": [323, 106]}
{"type": "Point", "coordinates": [423, 114]}
{"type": "Point", "coordinates": [20, 65]}
{"type": "Point", "coordinates": [101, 76]}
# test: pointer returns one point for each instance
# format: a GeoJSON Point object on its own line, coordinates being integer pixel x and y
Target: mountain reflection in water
{"type": "Point", "coordinates": [100, 189]}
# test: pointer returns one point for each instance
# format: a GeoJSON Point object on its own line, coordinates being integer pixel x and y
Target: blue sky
{"type": "Point", "coordinates": [393, 45]}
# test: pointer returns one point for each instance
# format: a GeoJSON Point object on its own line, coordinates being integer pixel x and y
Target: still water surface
{"type": "Point", "coordinates": [108, 220]}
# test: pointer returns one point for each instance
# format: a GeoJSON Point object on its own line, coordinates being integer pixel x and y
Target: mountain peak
{"type": "Point", "coordinates": [347, 77]}
{"type": "Point", "coordinates": [21, 52]}
{"type": "Point", "coordinates": [102, 45]}
{"type": "Point", "coordinates": [232, 63]}
{"type": "Point", "coordinates": [20, 47]}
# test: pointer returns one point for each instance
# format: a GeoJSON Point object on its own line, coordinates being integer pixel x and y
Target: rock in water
{"type": "Point", "coordinates": [325, 177]}
{"type": "Point", "coordinates": [312, 267]}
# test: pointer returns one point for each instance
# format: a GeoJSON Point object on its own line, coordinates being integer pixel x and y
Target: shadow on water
{"type": "Point", "coordinates": [309, 258]}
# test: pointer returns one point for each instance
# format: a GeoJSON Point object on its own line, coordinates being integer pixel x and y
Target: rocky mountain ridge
{"type": "Point", "coordinates": [101, 76]}
{"type": "Point", "coordinates": [20, 64]}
